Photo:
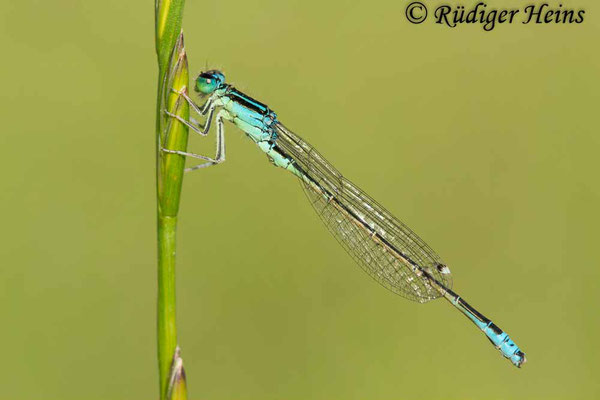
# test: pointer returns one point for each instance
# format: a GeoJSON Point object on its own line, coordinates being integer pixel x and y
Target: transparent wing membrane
{"type": "Point", "coordinates": [382, 245]}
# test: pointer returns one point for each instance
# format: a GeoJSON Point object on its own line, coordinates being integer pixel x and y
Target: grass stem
{"type": "Point", "coordinates": [172, 78]}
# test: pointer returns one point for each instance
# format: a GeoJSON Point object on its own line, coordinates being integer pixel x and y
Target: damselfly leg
{"type": "Point", "coordinates": [209, 108]}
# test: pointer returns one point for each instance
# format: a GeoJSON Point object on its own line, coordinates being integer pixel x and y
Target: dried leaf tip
{"type": "Point", "coordinates": [177, 389]}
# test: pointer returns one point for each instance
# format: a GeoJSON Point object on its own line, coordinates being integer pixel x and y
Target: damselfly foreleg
{"type": "Point", "coordinates": [220, 154]}
{"type": "Point", "coordinates": [209, 108]}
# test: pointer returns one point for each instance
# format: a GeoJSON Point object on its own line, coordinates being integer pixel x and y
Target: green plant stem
{"type": "Point", "coordinates": [166, 312]}
{"type": "Point", "coordinates": [172, 76]}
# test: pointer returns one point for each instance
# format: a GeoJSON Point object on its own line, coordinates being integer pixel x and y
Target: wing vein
{"type": "Point", "coordinates": [382, 245]}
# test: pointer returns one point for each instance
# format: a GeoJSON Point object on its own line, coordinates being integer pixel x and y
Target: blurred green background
{"type": "Point", "coordinates": [485, 143]}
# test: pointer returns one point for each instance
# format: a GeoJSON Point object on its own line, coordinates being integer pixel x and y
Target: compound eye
{"type": "Point", "coordinates": [206, 85]}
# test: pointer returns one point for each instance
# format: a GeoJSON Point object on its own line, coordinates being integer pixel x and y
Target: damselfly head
{"type": "Point", "coordinates": [209, 81]}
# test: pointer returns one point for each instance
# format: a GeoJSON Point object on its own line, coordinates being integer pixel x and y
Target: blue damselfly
{"type": "Point", "coordinates": [380, 243]}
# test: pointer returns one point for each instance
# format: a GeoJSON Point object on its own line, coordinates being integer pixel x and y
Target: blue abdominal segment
{"type": "Point", "coordinates": [497, 336]}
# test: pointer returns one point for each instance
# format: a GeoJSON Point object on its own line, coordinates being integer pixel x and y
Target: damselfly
{"type": "Point", "coordinates": [381, 244]}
